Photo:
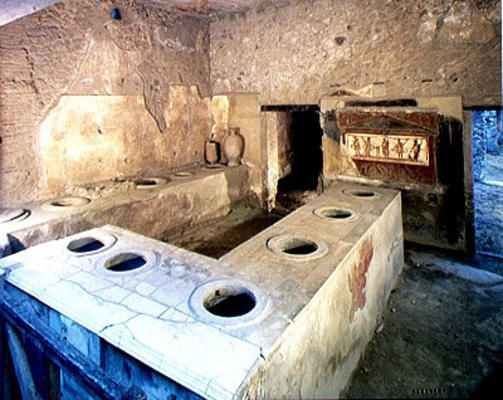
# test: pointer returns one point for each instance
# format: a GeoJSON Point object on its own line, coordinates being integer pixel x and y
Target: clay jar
{"type": "Point", "coordinates": [211, 151]}
{"type": "Point", "coordinates": [233, 147]}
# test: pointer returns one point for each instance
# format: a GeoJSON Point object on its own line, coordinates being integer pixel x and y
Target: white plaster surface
{"type": "Point", "coordinates": [198, 356]}
{"type": "Point", "coordinates": [11, 10]}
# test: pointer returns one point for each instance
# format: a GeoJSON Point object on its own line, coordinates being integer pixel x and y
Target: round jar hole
{"type": "Point", "coordinates": [148, 183]}
{"type": "Point", "coordinates": [298, 247]}
{"type": "Point", "coordinates": [125, 262]}
{"type": "Point", "coordinates": [69, 202]}
{"type": "Point", "coordinates": [10, 215]}
{"type": "Point", "coordinates": [230, 302]}
{"type": "Point", "coordinates": [85, 245]}
{"type": "Point", "coordinates": [145, 182]}
{"type": "Point", "coordinates": [334, 213]}
{"type": "Point", "coordinates": [363, 193]}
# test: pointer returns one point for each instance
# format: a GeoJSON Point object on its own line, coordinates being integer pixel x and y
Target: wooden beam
{"type": "Point", "coordinates": [21, 365]}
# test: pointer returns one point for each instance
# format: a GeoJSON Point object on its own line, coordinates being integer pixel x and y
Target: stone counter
{"type": "Point", "coordinates": [310, 289]}
{"type": "Point", "coordinates": [160, 205]}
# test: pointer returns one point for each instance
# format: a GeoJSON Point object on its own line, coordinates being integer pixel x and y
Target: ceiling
{"type": "Point", "coordinates": [14, 9]}
{"type": "Point", "coordinates": [208, 7]}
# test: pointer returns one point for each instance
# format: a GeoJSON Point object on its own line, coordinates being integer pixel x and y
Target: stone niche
{"type": "Point", "coordinates": [241, 110]}
{"type": "Point", "coordinates": [415, 145]}
{"type": "Point", "coordinates": [94, 138]}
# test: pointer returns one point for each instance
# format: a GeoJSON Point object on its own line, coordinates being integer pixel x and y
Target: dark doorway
{"type": "Point", "coordinates": [304, 138]}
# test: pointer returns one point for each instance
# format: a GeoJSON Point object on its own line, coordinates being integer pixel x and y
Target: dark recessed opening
{"type": "Point", "coordinates": [230, 302]}
{"type": "Point", "coordinates": [9, 215]}
{"type": "Point", "coordinates": [432, 199]}
{"type": "Point", "coordinates": [297, 246]}
{"type": "Point", "coordinates": [125, 262]}
{"type": "Point", "coordinates": [85, 245]}
{"type": "Point", "coordinates": [116, 14]}
{"type": "Point", "coordinates": [300, 159]}
{"type": "Point", "coordinates": [363, 193]}
{"type": "Point", "coordinates": [335, 213]}
{"type": "Point", "coordinates": [301, 249]}
{"type": "Point", "coordinates": [145, 182]}
{"type": "Point", "coordinates": [69, 202]}
{"type": "Point", "coordinates": [383, 103]}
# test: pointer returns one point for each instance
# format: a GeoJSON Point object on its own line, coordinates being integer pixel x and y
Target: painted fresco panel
{"type": "Point", "coordinates": [398, 149]}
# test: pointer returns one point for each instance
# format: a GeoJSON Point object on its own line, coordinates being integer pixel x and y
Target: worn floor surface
{"type": "Point", "coordinates": [219, 236]}
{"type": "Point", "coordinates": [488, 200]}
{"type": "Point", "coordinates": [441, 335]}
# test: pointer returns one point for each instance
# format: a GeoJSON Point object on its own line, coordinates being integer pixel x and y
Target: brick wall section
{"type": "Point", "coordinates": [296, 53]}
{"type": "Point", "coordinates": [75, 48]}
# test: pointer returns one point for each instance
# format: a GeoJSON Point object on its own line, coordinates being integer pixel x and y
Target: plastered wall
{"type": "Point", "coordinates": [74, 49]}
{"type": "Point", "coordinates": [296, 53]}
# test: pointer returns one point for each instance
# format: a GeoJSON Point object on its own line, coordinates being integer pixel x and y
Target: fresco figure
{"type": "Point", "coordinates": [414, 152]}
{"type": "Point", "coordinates": [385, 147]}
{"type": "Point", "coordinates": [367, 146]}
{"type": "Point", "coordinates": [398, 148]}
{"type": "Point", "coordinates": [356, 145]}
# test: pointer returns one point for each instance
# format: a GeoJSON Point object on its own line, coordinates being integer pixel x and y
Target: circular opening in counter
{"type": "Point", "coordinates": [90, 243]}
{"type": "Point", "coordinates": [230, 301]}
{"type": "Point", "coordinates": [86, 244]}
{"type": "Point", "coordinates": [145, 182]}
{"type": "Point", "coordinates": [183, 174]}
{"type": "Point", "coordinates": [125, 262]}
{"type": "Point", "coordinates": [296, 247]}
{"type": "Point", "coordinates": [363, 193]}
{"type": "Point", "coordinates": [13, 215]}
{"type": "Point", "coordinates": [66, 202]}
{"type": "Point", "coordinates": [334, 213]}
{"type": "Point", "coordinates": [148, 183]}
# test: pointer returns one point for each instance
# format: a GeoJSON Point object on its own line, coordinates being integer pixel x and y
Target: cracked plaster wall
{"type": "Point", "coordinates": [74, 48]}
{"type": "Point", "coordinates": [297, 53]}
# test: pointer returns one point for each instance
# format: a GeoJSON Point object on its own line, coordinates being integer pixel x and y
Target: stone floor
{"type": "Point", "coordinates": [493, 170]}
{"type": "Point", "coordinates": [440, 335]}
{"type": "Point", "coordinates": [219, 236]}
{"type": "Point", "coordinates": [488, 200]}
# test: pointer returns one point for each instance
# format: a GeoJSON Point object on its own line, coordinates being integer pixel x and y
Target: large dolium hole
{"type": "Point", "coordinates": [125, 262]}
{"type": "Point", "coordinates": [334, 213]}
{"type": "Point", "coordinates": [363, 193]}
{"type": "Point", "coordinates": [69, 202]}
{"type": "Point", "coordinates": [296, 246]}
{"type": "Point", "coordinates": [145, 182]}
{"type": "Point", "coordinates": [230, 302]}
{"type": "Point", "coordinates": [85, 245]}
{"type": "Point", "coordinates": [10, 215]}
